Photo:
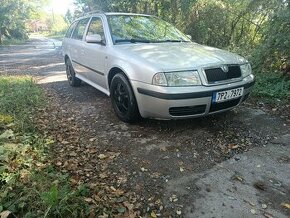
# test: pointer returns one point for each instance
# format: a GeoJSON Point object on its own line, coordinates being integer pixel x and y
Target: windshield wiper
{"type": "Point", "coordinates": [171, 40]}
{"type": "Point", "coordinates": [133, 40]}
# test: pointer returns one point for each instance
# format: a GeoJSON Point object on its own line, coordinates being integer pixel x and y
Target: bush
{"type": "Point", "coordinates": [272, 85]}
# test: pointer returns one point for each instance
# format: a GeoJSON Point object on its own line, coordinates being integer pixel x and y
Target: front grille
{"type": "Point", "coordinates": [217, 74]}
{"type": "Point", "coordinates": [187, 111]}
{"type": "Point", "coordinates": [224, 105]}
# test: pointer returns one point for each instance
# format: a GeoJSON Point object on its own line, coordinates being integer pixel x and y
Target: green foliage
{"type": "Point", "coordinates": [58, 25]}
{"type": "Point", "coordinates": [273, 53]}
{"type": "Point", "coordinates": [272, 85]}
{"type": "Point", "coordinates": [15, 101]}
{"type": "Point", "coordinates": [14, 14]}
{"type": "Point", "coordinates": [69, 17]}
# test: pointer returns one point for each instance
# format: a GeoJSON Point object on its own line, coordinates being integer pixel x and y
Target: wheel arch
{"type": "Point", "coordinates": [115, 70]}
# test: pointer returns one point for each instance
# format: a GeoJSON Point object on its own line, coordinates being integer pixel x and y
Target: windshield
{"type": "Point", "coordinates": [143, 29]}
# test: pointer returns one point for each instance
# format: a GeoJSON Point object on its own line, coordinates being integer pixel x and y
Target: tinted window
{"type": "Point", "coordinates": [70, 30]}
{"type": "Point", "coordinates": [80, 29]}
{"type": "Point", "coordinates": [96, 27]}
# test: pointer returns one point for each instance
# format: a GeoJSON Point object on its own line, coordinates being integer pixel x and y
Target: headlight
{"type": "Point", "coordinates": [246, 70]}
{"type": "Point", "coordinates": [177, 79]}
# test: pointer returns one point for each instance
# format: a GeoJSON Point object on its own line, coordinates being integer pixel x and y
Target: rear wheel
{"type": "Point", "coordinates": [71, 76]}
{"type": "Point", "coordinates": [123, 99]}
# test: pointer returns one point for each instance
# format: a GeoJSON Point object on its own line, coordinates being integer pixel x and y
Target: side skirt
{"type": "Point", "coordinates": [93, 84]}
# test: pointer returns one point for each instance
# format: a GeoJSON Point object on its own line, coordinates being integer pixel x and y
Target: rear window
{"type": "Point", "coordinates": [80, 29]}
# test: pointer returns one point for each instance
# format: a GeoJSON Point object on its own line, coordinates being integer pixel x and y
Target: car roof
{"type": "Point", "coordinates": [90, 14]}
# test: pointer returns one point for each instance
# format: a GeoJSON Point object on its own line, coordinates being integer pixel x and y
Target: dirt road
{"type": "Point", "coordinates": [234, 164]}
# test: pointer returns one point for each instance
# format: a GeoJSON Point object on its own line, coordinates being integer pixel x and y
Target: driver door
{"type": "Point", "coordinates": [95, 54]}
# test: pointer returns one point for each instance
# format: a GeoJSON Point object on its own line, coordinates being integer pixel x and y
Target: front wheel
{"type": "Point", "coordinates": [123, 99]}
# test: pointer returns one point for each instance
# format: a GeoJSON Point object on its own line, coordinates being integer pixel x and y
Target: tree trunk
{"type": "Point", "coordinates": [146, 8]}
{"type": "Point", "coordinates": [0, 35]}
{"type": "Point", "coordinates": [156, 8]}
{"type": "Point", "coordinates": [174, 11]}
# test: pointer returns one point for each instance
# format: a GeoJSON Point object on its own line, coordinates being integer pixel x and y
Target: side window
{"type": "Point", "coordinates": [80, 29]}
{"type": "Point", "coordinates": [70, 30]}
{"type": "Point", "coordinates": [96, 27]}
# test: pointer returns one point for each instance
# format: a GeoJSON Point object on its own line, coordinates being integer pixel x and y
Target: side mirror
{"type": "Point", "coordinates": [96, 38]}
{"type": "Point", "coordinates": [189, 36]}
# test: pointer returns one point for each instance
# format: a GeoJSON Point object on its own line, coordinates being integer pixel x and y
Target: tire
{"type": "Point", "coordinates": [123, 99]}
{"type": "Point", "coordinates": [71, 75]}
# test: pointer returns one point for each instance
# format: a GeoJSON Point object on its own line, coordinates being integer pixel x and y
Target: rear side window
{"type": "Point", "coordinates": [96, 27]}
{"type": "Point", "coordinates": [70, 30]}
{"type": "Point", "coordinates": [80, 29]}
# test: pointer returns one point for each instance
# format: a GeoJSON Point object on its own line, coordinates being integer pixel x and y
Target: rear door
{"type": "Point", "coordinates": [95, 54]}
{"type": "Point", "coordinates": [66, 45]}
{"type": "Point", "coordinates": [77, 47]}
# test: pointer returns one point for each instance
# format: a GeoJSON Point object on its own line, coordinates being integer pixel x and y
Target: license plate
{"type": "Point", "coordinates": [227, 95]}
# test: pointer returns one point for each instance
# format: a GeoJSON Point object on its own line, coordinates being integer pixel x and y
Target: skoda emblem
{"type": "Point", "coordinates": [225, 68]}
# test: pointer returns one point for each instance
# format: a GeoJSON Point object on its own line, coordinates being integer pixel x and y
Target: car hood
{"type": "Point", "coordinates": [180, 56]}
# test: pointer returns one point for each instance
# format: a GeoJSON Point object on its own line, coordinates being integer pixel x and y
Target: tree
{"type": "Point", "coordinates": [69, 17]}
{"type": "Point", "coordinates": [14, 13]}
{"type": "Point", "coordinates": [274, 50]}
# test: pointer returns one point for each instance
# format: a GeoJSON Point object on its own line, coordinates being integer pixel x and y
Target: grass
{"type": "Point", "coordinates": [272, 86]}
{"type": "Point", "coordinates": [55, 35]}
{"type": "Point", "coordinates": [29, 184]}
{"type": "Point", "coordinates": [20, 97]}
{"type": "Point", "coordinates": [6, 42]}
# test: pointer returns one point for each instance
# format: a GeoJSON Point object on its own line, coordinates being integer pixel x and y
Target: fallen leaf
{"type": "Point", "coordinates": [260, 185]}
{"type": "Point", "coordinates": [113, 155]}
{"type": "Point", "coordinates": [7, 134]}
{"type": "Point", "coordinates": [128, 205]}
{"type": "Point", "coordinates": [233, 146]}
{"type": "Point", "coordinates": [267, 215]}
{"type": "Point", "coordinates": [64, 142]}
{"type": "Point", "coordinates": [286, 205]}
{"type": "Point", "coordinates": [173, 198]}
{"type": "Point", "coordinates": [153, 215]}
{"type": "Point", "coordinates": [92, 139]}
{"type": "Point", "coordinates": [121, 209]}
{"type": "Point", "coordinates": [113, 189]}
{"type": "Point", "coordinates": [102, 156]}
{"type": "Point", "coordinates": [238, 178]}
{"type": "Point", "coordinates": [143, 169]}
{"type": "Point", "coordinates": [5, 214]}
{"type": "Point", "coordinates": [253, 211]}
{"type": "Point", "coordinates": [103, 175]}
{"type": "Point", "coordinates": [89, 200]}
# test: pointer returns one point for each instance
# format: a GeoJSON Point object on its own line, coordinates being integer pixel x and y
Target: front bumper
{"type": "Point", "coordinates": [185, 102]}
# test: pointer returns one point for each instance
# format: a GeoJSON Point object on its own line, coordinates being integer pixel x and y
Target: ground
{"type": "Point", "coordinates": [234, 164]}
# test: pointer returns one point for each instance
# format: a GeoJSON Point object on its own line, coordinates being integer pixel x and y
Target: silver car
{"type": "Point", "coordinates": [152, 70]}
